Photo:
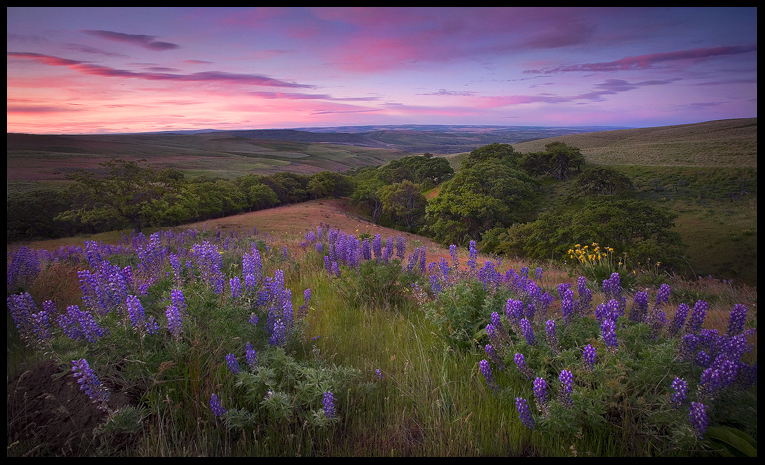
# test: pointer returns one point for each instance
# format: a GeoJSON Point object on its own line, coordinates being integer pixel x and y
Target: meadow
{"type": "Point", "coordinates": [249, 335]}
{"type": "Point", "coordinates": [306, 330]}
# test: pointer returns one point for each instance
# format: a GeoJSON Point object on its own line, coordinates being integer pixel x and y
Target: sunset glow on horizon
{"type": "Point", "coordinates": [115, 70]}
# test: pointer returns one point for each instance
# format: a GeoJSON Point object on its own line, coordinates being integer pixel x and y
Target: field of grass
{"type": "Point", "coordinates": [51, 158]}
{"type": "Point", "coordinates": [430, 398]}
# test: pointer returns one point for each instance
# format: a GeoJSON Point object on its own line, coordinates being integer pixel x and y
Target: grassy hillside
{"type": "Point", "coordinates": [706, 173]}
{"type": "Point", "coordinates": [49, 158]}
{"type": "Point", "coordinates": [722, 143]}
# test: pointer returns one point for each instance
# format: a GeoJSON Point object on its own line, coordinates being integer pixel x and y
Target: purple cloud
{"type": "Point", "coordinates": [648, 60]}
{"type": "Point", "coordinates": [140, 40]}
{"type": "Point", "coordinates": [85, 67]}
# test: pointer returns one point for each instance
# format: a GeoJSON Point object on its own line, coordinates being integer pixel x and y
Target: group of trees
{"type": "Point", "coordinates": [492, 199]}
{"type": "Point", "coordinates": [131, 194]}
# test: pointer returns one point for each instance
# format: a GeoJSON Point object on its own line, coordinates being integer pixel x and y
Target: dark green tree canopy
{"type": "Point", "coordinates": [481, 196]}
{"type": "Point", "coordinates": [124, 191]}
{"type": "Point", "coordinates": [599, 180]}
{"type": "Point", "coordinates": [633, 227]}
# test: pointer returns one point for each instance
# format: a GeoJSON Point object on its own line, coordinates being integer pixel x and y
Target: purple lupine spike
{"type": "Point", "coordinates": [566, 379]}
{"type": "Point", "coordinates": [493, 356]}
{"type": "Point", "coordinates": [215, 406]}
{"type": "Point", "coordinates": [679, 319]}
{"type": "Point", "coordinates": [680, 394]}
{"type": "Point", "coordinates": [589, 356]}
{"type": "Point", "coordinates": [485, 368]}
{"type": "Point", "coordinates": [329, 405]}
{"type": "Point", "coordinates": [520, 362]}
{"type": "Point", "coordinates": [236, 287]}
{"type": "Point", "coordinates": [540, 393]}
{"type": "Point", "coordinates": [233, 365]}
{"type": "Point", "coordinates": [697, 415]}
{"type": "Point", "coordinates": [608, 329]}
{"type": "Point", "coordinates": [552, 337]}
{"type": "Point", "coordinates": [639, 310]}
{"type": "Point", "coordinates": [697, 316]}
{"type": "Point", "coordinates": [523, 411]}
{"type": "Point", "coordinates": [90, 383]}
{"type": "Point", "coordinates": [174, 322]}
{"type": "Point", "coordinates": [737, 320]}
{"type": "Point", "coordinates": [528, 332]}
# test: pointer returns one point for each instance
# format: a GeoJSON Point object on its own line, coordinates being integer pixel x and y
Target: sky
{"type": "Point", "coordinates": [115, 70]}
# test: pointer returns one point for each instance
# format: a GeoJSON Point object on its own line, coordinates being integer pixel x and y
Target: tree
{"type": "Point", "coordinates": [493, 151]}
{"type": "Point", "coordinates": [329, 184]}
{"type": "Point", "coordinates": [480, 197]}
{"type": "Point", "coordinates": [404, 202]}
{"type": "Point", "coordinates": [124, 193]}
{"type": "Point", "coordinates": [261, 197]}
{"type": "Point", "coordinates": [561, 158]}
{"type": "Point", "coordinates": [633, 227]}
{"type": "Point", "coordinates": [368, 193]}
{"type": "Point", "coordinates": [602, 181]}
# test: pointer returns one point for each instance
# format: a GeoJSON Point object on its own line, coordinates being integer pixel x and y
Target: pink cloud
{"type": "Point", "coordinates": [205, 76]}
{"type": "Point", "coordinates": [648, 60]}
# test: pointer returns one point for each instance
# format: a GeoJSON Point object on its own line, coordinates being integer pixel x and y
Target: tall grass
{"type": "Point", "coordinates": [429, 397]}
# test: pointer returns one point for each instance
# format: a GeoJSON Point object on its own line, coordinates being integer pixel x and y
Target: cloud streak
{"type": "Point", "coordinates": [649, 60]}
{"type": "Point", "coordinates": [139, 40]}
{"type": "Point", "coordinates": [85, 67]}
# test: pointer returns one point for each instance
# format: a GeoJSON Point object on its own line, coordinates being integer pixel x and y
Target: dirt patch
{"type": "Point", "coordinates": [48, 415]}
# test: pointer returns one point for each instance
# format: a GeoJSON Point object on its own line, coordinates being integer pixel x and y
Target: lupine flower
{"type": "Point", "coordinates": [687, 347]}
{"type": "Point", "coordinates": [552, 337]}
{"type": "Point", "coordinates": [523, 411]}
{"type": "Point", "coordinates": [520, 362]}
{"type": "Point", "coordinates": [378, 373]}
{"type": "Point", "coordinates": [253, 319]}
{"type": "Point", "coordinates": [728, 370]}
{"type": "Point", "coordinates": [215, 406]}
{"type": "Point", "coordinates": [703, 359]}
{"type": "Point", "coordinates": [540, 393]}
{"type": "Point", "coordinates": [680, 394]}
{"type": "Point", "coordinates": [90, 383]}
{"type": "Point", "coordinates": [710, 384]}
{"type": "Point", "coordinates": [400, 247]}
{"type": "Point", "coordinates": [453, 253]}
{"type": "Point", "coordinates": [377, 246]}
{"type": "Point", "coordinates": [639, 310]}
{"type": "Point", "coordinates": [565, 392]}
{"type": "Point", "coordinates": [538, 273]}
{"type": "Point", "coordinates": [528, 332]}
{"type": "Point", "coordinates": [236, 287]}
{"type": "Point", "coordinates": [567, 309]}
{"type": "Point", "coordinates": [679, 320]}
{"type": "Point", "coordinates": [589, 357]}
{"type": "Point", "coordinates": [493, 356]}
{"type": "Point", "coordinates": [174, 323]}
{"type": "Point", "coordinates": [233, 365]}
{"type": "Point", "coordinates": [485, 368]}
{"type": "Point", "coordinates": [697, 415]}
{"type": "Point", "coordinates": [250, 356]}
{"type": "Point", "coordinates": [329, 405]}
{"type": "Point", "coordinates": [278, 336]}
{"type": "Point", "coordinates": [737, 320]}
{"type": "Point", "coordinates": [697, 315]}
{"type": "Point", "coordinates": [176, 297]}
{"type": "Point", "coordinates": [609, 334]}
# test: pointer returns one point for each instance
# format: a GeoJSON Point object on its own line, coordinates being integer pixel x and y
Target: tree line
{"type": "Point", "coordinates": [494, 199]}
